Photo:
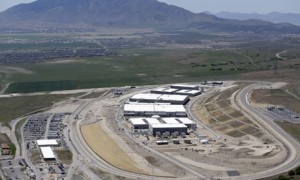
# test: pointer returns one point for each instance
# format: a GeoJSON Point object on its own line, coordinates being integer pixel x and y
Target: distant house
{"type": "Point", "coordinates": [5, 149]}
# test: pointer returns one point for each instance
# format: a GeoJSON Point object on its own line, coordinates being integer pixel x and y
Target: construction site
{"type": "Point", "coordinates": [207, 133]}
{"type": "Point", "coordinates": [157, 132]}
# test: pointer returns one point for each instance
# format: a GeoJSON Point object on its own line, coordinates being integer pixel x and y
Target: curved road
{"type": "Point", "coordinates": [292, 146]}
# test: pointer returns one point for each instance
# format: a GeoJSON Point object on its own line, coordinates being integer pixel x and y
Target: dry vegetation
{"type": "Point", "coordinates": [218, 114]}
{"type": "Point", "coordinates": [107, 149]}
{"type": "Point", "coordinates": [65, 156]}
{"type": "Point", "coordinates": [35, 157]}
{"type": "Point", "coordinates": [275, 97]}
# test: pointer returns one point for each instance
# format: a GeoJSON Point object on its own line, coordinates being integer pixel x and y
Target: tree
{"type": "Point", "coordinates": [291, 173]}
{"type": "Point", "coordinates": [298, 170]}
{"type": "Point", "coordinates": [282, 177]}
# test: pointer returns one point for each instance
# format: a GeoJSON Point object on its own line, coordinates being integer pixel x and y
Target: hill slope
{"type": "Point", "coordinates": [94, 14]}
{"type": "Point", "coordinates": [274, 17]}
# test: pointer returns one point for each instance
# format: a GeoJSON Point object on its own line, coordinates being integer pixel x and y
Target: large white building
{"type": "Point", "coordinates": [186, 121]}
{"type": "Point", "coordinates": [190, 91]}
{"type": "Point", "coordinates": [185, 86]}
{"type": "Point", "coordinates": [163, 91]}
{"type": "Point", "coordinates": [160, 98]}
{"type": "Point", "coordinates": [145, 123]}
{"type": "Point", "coordinates": [148, 110]}
{"type": "Point", "coordinates": [161, 128]}
{"type": "Point", "coordinates": [47, 153]}
{"type": "Point", "coordinates": [47, 142]}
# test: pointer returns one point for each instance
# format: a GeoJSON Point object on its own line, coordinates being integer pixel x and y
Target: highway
{"type": "Point", "coordinates": [292, 146]}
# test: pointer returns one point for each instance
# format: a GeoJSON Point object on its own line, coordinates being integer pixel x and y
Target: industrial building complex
{"type": "Point", "coordinates": [162, 110]}
{"type": "Point", "coordinates": [179, 89]}
{"type": "Point", "coordinates": [160, 98]}
{"type": "Point", "coordinates": [148, 110]}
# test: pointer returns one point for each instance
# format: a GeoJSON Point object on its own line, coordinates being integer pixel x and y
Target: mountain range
{"type": "Point", "coordinates": [274, 17]}
{"type": "Point", "coordinates": [95, 14]}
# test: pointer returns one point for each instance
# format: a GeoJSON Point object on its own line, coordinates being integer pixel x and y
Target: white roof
{"type": "Point", "coordinates": [47, 142]}
{"type": "Point", "coordinates": [146, 96]}
{"type": "Point", "coordinates": [170, 90]}
{"type": "Point", "coordinates": [186, 121]}
{"type": "Point", "coordinates": [168, 126]}
{"type": "Point", "coordinates": [170, 120]}
{"type": "Point", "coordinates": [47, 152]}
{"type": "Point", "coordinates": [153, 108]}
{"type": "Point", "coordinates": [185, 85]}
{"type": "Point", "coordinates": [137, 121]}
{"type": "Point", "coordinates": [186, 91]}
{"type": "Point", "coordinates": [159, 97]}
{"type": "Point", "coordinates": [152, 121]}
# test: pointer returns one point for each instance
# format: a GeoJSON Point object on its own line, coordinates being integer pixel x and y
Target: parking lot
{"type": "Point", "coordinates": [16, 169]}
{"type": "Point", "coordinates": [283, 114]}
{"type": "Point", "coordinates": [35, 127]}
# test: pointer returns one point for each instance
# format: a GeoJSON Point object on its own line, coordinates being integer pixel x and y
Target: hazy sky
{"type": "Point", "coordinates": [248, 6]}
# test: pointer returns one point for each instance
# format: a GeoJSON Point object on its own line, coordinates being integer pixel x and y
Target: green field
{"type": "Point", "coordinates": [142, 58]}
{"type": "Point", "coordinates": [147, 67]}
{"type": "Point", "coordinates": [14, 107]}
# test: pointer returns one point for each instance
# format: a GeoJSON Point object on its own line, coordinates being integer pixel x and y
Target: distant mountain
{"type": "Point", "coordinates": [95, 14]}
{"type": "Point", "coordinates": [274, 17]}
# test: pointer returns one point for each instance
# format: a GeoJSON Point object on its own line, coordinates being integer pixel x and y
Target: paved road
{"type": "Point", "coordinates": [278, 54]}
{"type": "Point", "coordinates": [26, 153]}
{"type": "Point", "coordinates": [191, 103]}
{"type": "Point", "coordinates": [292, 146]}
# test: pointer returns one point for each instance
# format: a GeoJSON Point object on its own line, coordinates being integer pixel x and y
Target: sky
{"type": "Point", "coordinates": [214, 6]}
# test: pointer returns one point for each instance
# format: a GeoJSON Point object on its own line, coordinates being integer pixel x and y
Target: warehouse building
{"type": "Point", "coordinates": [179, 91]}
{"type": "Point", "coordinates": [48, 153]}
{"type": "Point", "coordinates": [162, 128]}
{"type": "Point", "coordinates": [188, 92]}
{"type": "Point", "coordinates": [170, 121]}
{"type": "Point", "coordinates": [152, 121]}
{"type": "Point", "coordinates": [185, 86]}
{"type": "Point", "coordinates": [47, 142]}
{"type": "Point", "coordinates": [160, 98]}
{"type": "Point", "coordinates": [186, 121]}
{"type": "Point", "coordinates": [189, 123]}
{"type": "Point", "coordinates": [138, 123]}
{"type": "Point", "coordinates": [148, 110]}
{"type": "Point", "coordinates": [143, 123]}
{"type": "Point", "coordinates": [163, 91]}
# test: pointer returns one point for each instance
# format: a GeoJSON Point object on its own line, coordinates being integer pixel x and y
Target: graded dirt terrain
{"type": "Point", "coordinates": [106, 148]}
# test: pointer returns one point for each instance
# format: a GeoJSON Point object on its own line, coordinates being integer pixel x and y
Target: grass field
{"type": "Point", "coordinates": [35, 157]}
{"type": "Point", "coordinates": [93, 95]}
{"type": "Point", "coordinates": [18, 132]}
{"type": "Point", "coordinates": [150, 66]}
{"type": "Point", "coordinates": [292, 129]}
{"type": "Point", "coordinates": [4, 138]}
{"type": "Point", "coordinates": [65, 156]}
{"type": "Point", "coordinates": [275, 97]}
{"type": "Point", "coordinates": [107, 149]}
{"type": "Point", "coordinates": [13, 107]}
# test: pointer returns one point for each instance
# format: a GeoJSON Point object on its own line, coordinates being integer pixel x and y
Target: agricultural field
{"type": "Point", "coordinates": [141, 59]}
{"type": "Point", "coordinates": [13, 107]}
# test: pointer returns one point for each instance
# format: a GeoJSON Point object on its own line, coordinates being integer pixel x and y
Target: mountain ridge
{"type": "Point", "coordinates": [93, 14]}
{"type": "Point", "coordinates": [275, 17]}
